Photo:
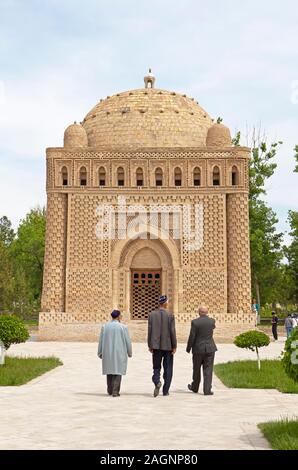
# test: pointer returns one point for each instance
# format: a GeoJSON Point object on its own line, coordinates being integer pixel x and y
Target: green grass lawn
{"type": "Point", "coordinates": [20, 370]}
{"type": "Point", "coordinates": [245, 374]}
{"type": "Point", "coordinates": [30, 323]}
{"type": "Point", "coordinates": [282, 435]}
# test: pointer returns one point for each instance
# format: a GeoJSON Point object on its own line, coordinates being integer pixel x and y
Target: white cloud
{"type": "Point", "coordinates": [59, 58]}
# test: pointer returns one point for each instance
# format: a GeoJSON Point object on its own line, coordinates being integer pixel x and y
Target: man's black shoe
{"type": "Point", "coordinates": [156, 390]}
{"type": "Point", "coordinates": [210, 393]}
{"type": "Point", "coordinates": [190, 388]}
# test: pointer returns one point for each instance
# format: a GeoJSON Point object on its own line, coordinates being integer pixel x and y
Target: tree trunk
{"type": "Point", "coordinates": [257, 287]}
{"type": "Point", "coordinates": [2, 354]}
{"type": "Point", "coordinates": [259, 362]}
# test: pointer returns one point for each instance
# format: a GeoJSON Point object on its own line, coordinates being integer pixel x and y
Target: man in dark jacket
{"type": "Point", "coordinates": [162, 343]}
{"type": "Point", "coordinates": [274, 323]}
{"type": "Point", "coordinates": [203, 348]}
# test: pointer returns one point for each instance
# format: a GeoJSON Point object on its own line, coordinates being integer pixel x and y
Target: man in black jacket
{"type": "Point", "coordinates": [203, 348]}
{"type": "Point", "coordinates": [162, 343]}
{"type": "Point", "coordinates": [274, 323]}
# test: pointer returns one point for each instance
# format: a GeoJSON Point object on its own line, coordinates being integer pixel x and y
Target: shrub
{"type": "Point", "coordinates": [252, 340]}
{"type": "Point", "coordinates": [12, 330]}
{"type": "Point", "coordinates": [266, 311]}
{"type": "Point", "coordinates": [290, 356]}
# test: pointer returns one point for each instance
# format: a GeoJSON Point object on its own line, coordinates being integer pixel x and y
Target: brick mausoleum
{"type": "Point", "coordinates": [156, 162]}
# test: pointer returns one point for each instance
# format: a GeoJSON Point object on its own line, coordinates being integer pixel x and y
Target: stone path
{"type": "Point", "coordinates": [68, 409]}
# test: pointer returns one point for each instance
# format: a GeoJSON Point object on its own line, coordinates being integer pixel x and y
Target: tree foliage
{"type": "Point", "coordinates": [28, 249]}
{"type": "Point", "coordinates": [291, 253]}
{"type": "Point", "coordinates": [266, 251]}
{"type": "Point", "coordinates": [296, 158]}
{"type": "Point", "coordinates": [12, 330]}
{"type": "Point", "coordinates": [5, 277]}
{"type": "Point", "coordinates": [261, 166]}
{"type": "Point", "coordinates": [290, 356]}
{"type": "Point", "coordinates": [21, 266]}
{"type": "Point", "coordinates": [253, 340]}
{"type": "Point", "coordinates": [6, 231]}
{"type": "Point", "coordinates": [265, 243]}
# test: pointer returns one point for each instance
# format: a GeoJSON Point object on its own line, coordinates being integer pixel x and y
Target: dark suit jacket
{"type": "Point", "coordinates": [200, 339]}
{"type": "Point", "coordinates": [161, 330]}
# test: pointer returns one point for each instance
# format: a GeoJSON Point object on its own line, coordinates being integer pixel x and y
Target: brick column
{"type": "Point", "coordinates": [238, 256]}
{"type": "Point", "coordinates": [53, 292]}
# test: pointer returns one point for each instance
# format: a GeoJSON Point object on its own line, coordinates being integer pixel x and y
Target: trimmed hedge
{"type": "Point", "coordinates": [290, 356]}
{"type": "Point", "coordinates": [12, 330]}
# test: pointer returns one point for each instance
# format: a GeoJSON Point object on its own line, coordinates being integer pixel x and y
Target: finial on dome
{"type": "Point", "coordinates": [149, 80]}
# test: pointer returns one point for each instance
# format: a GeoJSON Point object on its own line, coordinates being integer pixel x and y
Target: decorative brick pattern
{"type": "Point", "coordinates": [53, 296]}
{"type": "Point", "coordinates": [147, 118]}
{"type": "Point", "coordinates": [205, 287]}
{"type": "Point", "coordinates": [239, 290]}
{"type": "Point", "coordinates": [85, 277]}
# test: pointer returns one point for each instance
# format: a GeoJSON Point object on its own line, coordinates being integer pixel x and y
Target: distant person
{"type": "Point", "coordinates": [203, 348]}
{"type": "Point", "coordinates": [162, 343]}
{"type": "Point", "coordinates": [294, 321]}
{"type": "Point", "coordinates": [114, 348]}
{"type": "Point", "coordinates": [274, 323]}
{"type": "Point", "coordinates": [289, 325]}
{"type": "Point", "coordinates": [256, 309]}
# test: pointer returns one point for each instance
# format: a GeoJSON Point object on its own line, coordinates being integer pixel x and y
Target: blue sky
{"type": "Point", "coordinates": [59, 57]}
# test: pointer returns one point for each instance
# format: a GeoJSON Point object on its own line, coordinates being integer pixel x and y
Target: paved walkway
{"type": "Point", "coordinates": [68, 409]}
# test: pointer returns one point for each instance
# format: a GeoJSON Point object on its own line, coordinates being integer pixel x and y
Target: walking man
{"type": "Point", "coordinates": [162, 343]}
{"type": "Point", "coordinates": [274, 322]}
{"type": "Point", "coordinates": [289, 325]}
{"type": "Point", "coordinates": [203, 348]}
{"type": "Point", "coordinates": [114, 348]}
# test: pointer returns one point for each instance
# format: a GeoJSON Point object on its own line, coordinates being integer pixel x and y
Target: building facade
{"type": "Point", "coordinates": [147, 196]}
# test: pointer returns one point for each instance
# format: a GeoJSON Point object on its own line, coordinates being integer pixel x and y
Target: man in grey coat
{"type": "Point", "coordinates": [114, 348]}
{"type": "Point", "coordinates": [162, 343]}
{"type": "Point", "coordinates": [203, 348]}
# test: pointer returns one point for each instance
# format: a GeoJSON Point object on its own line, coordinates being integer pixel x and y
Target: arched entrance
{"type": "Point", "coordinates": [142, 270]}
{"type": "Point", "coordinates": [146, 283]}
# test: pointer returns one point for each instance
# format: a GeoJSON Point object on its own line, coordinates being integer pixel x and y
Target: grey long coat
{"type": "Point", "coordinates": [114, 348]}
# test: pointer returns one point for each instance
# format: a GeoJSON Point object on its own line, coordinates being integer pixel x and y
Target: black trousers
{"type": "Point", "coordinates": [165, 358]}
{"type": "Point", "coordinates": [206, 361]}
{"type": "Point", "coordinates": [114, 383]}
{"type": "Point", "coordinates": [274, 331]}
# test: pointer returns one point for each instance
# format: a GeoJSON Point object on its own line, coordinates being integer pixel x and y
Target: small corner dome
{"type": "Point", "coordinates": [75, 136]}
{"type": "Point", "coordinates": [218, 135]}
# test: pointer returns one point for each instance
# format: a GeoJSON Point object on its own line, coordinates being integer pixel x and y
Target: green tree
{"type": "Point", "coordinates": [292, 254]}
{"type": "Point", "coordinates": [6, 231]}
{"type": "Point", "coordinates": [290, 356]}
{"type": "Point", "coordinates": [265, 242]}
{"type": "Point", "coordinates": [296, 158]}
{"type": "Point", "coordinates": [27, 251]}
{"type": "Point", "coordinates": [253, 340]}
{"type": "Point", "coordinates": [266, 252]}
{"type": "Point", "coordinates": [261, 165]}
{"type": "Point", "coordinates": [5, 277]}
{"type": "Point", "coordinates": [12, 331]}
